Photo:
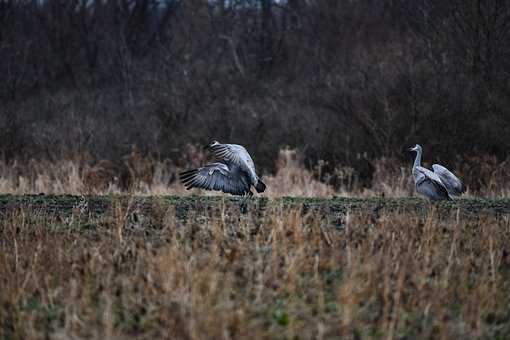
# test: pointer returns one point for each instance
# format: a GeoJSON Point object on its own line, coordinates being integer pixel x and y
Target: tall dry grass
{"type": "Point", "coordinates": [221, 275]}
{"type": "Point", "coordinates": [144, 175]}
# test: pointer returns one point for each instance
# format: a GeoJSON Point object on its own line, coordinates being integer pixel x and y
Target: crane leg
{"type": "Point", "coordinates": [245, 200]}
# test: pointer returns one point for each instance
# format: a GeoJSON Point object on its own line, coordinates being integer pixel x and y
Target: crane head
{"type": "Point", "coordinates": [213, 143]}
{"type": "Point", "coordinates": [415, 148]}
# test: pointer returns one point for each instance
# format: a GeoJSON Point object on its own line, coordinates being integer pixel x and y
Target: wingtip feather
{"type": "Point", "coordinates": [260, 187]}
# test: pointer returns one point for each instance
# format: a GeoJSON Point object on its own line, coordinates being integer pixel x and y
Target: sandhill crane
{"type": "Point", "coordinates": [232, 172]}
{"type": "Point", "coordinates": [440, 184]}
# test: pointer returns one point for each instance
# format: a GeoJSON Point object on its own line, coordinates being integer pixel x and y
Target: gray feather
{"type": "Point", "coordinates": [439, 184]}
{"type": "Point", "coordinates": [216, 176]}
{"type": "Point", "coordinates": [233, 172]}
{"type": "Point", "coordinates": [452, 183]}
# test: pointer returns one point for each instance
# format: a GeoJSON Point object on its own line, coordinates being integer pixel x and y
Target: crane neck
{"type": "Point", "coordinates": [417, 160]}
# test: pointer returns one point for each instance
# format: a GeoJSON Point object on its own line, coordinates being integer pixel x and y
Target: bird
{"type": "Point", "coordinates": [440, 184]}
{"type": "Point", "coordinates": [232, 172]}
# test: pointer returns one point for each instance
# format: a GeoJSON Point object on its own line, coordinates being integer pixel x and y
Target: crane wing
{"type": "Point", "coordinates": [216, 176]}
{"type": "Point", "coordinates": [430, 185]}
{"type": "Point", "coordinates": [236, 155]}
{"type": "Point", "coordinates": [229, 152]}
{"type": "Point", "coordinates": [452, 183]}
{"type": "Point", "coordinates": [430, 175]}
{"type": "Point", "coordinates": [432, 189]}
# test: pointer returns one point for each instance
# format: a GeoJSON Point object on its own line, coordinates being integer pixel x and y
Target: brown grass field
{"type": "Point", "coordinates": [121, 267]}
{"type": "Point", "coordinates": [121, 259]}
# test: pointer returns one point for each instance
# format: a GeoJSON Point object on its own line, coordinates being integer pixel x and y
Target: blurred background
{"type": "Point", "coordinates": [101, 96]}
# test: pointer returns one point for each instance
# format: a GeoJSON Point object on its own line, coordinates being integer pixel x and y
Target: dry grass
{"type": "Point", "coordinates": [144, 175]}
{"type": "Point", "coordinates": [221, 275]}
{"type": "Point", "coordinates": [292, 179]}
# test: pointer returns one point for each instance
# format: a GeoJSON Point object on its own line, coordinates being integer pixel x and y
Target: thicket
{"type": "Point", "coordinates": [345, 82]}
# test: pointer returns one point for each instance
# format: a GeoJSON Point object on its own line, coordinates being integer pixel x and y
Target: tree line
{"type": "Point", "coordinates": [343, 81]}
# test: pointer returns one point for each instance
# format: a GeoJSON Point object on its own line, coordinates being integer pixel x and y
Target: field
{"type": "Point", "coordinates": [112, 267]}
